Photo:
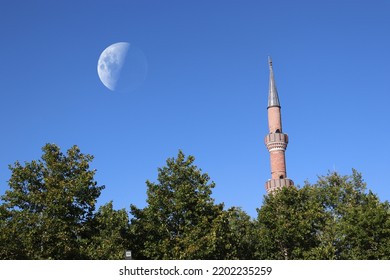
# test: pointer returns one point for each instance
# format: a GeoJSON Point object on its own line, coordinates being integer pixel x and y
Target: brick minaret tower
{"type": "Point", "coordinates": [276, 141]}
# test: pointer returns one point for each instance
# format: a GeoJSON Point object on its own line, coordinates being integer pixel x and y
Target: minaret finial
{"type": "Point", "coordinates": [273, 98]}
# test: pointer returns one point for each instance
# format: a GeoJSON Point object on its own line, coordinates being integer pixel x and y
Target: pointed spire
{"type": "Point", "coordinates": [273, 98]}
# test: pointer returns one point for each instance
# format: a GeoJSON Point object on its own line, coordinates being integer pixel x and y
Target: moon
{"type": "Point", "coordinates": [122, 67]}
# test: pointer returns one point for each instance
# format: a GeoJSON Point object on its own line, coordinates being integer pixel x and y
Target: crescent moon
{"type": "Point", "coordinates": [110, 64]}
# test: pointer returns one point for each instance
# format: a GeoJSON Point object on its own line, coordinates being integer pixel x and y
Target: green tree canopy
{"type": "Point", "coordinates": [46, 209]}
{"type": "Point", "coordinates": [109, 234]}
{"type": "Point", "coordinates": [358, 224]}
{"type": "Point", "coordinates": [48, 212]}
{"type": "Point", "coordinates": [236, 235]}
{"type": "Point", "coordinates": [333, 219]}
{"type": "Point", "coordinates": [180, 219]}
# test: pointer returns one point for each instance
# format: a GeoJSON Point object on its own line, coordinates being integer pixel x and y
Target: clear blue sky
{"type": "Point", "coordinates": [205, 91]}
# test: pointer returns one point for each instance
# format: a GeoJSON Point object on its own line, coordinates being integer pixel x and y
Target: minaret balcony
{"type": "Point", "coordinates": [276, 141]}
{"type": "Point", "coordinates": [276, 184]}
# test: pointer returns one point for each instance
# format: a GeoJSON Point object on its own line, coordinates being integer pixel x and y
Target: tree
{"type": "Point", "coordinates": [110, 234]}
{"type": "Point", "coordinates": [333, 219]}
{"type": "Point", "coordinates": [48, 205]}
{"type": "Point", "coordinates": [358, 224]}
{"type": "Point", "coordinates": [181, 219]}
{"type": "Point", "coordinates": [236, 232]}
{"type": "Point", "coordinates": [288, 223]}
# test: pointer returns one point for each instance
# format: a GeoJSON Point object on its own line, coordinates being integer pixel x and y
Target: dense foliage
{"type": "Point", "coordinates": [182, 221]}
{"type": "Point", "coordinates": [333, 219]}
{"type": "Point", "coordinates": [49, 212]}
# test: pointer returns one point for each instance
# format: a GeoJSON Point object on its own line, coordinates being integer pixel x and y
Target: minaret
{"type": "Point", "coordinates": [276, 141]}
